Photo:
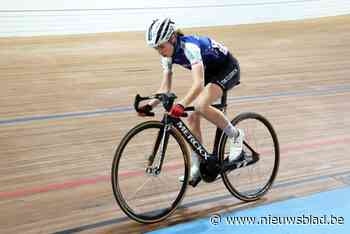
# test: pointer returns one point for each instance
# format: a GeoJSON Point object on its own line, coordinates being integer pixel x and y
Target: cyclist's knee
{"type": "Point", "coordinates": [201, 107]}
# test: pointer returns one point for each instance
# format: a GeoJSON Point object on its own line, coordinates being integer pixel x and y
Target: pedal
{"type": "Point", "coordinates": [241, 161]}
{"type": "Point", "coordinates": [240, 158]}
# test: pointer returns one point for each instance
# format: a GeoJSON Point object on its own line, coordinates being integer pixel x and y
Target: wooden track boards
{"type": "Point", "coordinates": [54, 171]}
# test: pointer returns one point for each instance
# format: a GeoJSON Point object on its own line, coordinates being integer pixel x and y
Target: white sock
{"type": "Point", "coordinates": [231, 131]}
{"type": "Point", "coordinates": [195, 160]}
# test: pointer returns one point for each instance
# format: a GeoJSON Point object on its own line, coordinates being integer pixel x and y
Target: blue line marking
{"type": "Point", "coordinates": [317, 92]}
{"type": "Point", "coordinates": [66, 115]}
{"type": "Point", "coordinates": [325, 91]}
{"type": "Point", "coordinates": [322, 213]}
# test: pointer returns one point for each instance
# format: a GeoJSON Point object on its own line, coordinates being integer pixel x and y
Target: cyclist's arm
{"type": "Point", "coordinates": [197, 84]}
{"type": "Point", "coordinates": [193, 54]}
{"type": "Point", "coordinates": [165, 85]}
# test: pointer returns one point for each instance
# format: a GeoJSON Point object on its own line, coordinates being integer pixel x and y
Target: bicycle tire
{"type": "Point", "coordinates": [157, 215]}
{"type": "Point", "coordinates": [243, 117]}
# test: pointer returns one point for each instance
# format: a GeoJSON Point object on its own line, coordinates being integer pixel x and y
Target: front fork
{"type": "Point", "coordinates": [154, 167]}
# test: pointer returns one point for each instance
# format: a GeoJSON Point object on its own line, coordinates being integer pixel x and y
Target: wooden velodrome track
{"type": "Point", "coordinates": [66, 103]}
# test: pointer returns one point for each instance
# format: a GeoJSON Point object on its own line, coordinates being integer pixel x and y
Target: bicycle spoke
{"type": "Point", "coordinates": [139, 189]}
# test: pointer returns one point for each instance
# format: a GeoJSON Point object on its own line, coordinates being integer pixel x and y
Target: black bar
{"type": "Point", "coordinates": [218, 134]}
{"type": "Point", "coordinates": [217, 106]}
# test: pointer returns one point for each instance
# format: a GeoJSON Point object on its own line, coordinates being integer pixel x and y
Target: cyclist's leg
{"type": "Point", "coordinates": [203, 105]}
{"type": "Point", "coordinates": [195, 128]}
{"type": "Point", "coordinates": [194, 122]}
{"type": "Point", "coordinates": [209, 95]}
{"type": "Point", "coordinates": [195, 125]}
{"type": "Point", "coordinates": [227, 77]}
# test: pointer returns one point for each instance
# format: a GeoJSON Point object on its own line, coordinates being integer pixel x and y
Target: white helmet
{"type": "Point", "coordinates": [159, 31]}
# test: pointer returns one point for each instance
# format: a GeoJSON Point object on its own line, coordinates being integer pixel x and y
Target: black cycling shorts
{"type": "Point", "coordinates": [227, 76]}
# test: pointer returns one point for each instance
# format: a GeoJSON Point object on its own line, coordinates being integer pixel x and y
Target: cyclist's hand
{"type": "Point", "coordinates": [145, 110]}
{"type": "Point", "coordinates": [177, 111]}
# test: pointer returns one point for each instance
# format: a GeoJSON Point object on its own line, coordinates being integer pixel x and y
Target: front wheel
{"type": "Point", "coordinates": [143, 193]}
{"type": "Point", "coordinates": [253, 178]}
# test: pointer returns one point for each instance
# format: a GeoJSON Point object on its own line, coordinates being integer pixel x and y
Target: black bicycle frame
{"type": "Point", "coordinates": [195, 144]}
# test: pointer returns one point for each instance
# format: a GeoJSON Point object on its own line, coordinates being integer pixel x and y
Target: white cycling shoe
{"type": "Point", "coordinates": [236, 146]}
{"type": "Point", "coordinates": [194, 172]}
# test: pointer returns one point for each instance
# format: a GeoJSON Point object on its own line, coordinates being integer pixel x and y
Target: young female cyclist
{"type": "Point", "coordinates": [213, 70]}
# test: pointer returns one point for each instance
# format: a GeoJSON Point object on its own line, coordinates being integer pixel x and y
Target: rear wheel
{"type": "Point", "coordinates": [249, 183]}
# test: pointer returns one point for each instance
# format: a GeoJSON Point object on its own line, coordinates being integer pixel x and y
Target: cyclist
{"type": "Point", "coordinates": [213, 70]}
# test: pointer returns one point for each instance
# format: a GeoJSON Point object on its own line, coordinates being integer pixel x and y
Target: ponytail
{"type": "Point", "coordinates": [179, 32]}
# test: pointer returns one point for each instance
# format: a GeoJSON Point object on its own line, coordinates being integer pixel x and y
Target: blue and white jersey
{"type": "Point", "coordinates": [190, 50]}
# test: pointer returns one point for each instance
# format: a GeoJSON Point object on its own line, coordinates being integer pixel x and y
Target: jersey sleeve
{"type": "Point", "coordinates": [167, 64]}
{"type": "Point", "coordinates": [193, 53]}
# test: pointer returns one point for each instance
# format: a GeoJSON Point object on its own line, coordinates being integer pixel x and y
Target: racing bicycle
{"type": "Point", "coordinates": [154, 154]}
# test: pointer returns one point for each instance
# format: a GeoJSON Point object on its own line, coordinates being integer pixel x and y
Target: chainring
{"type": "Point", "coordinates": [209, 169]}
